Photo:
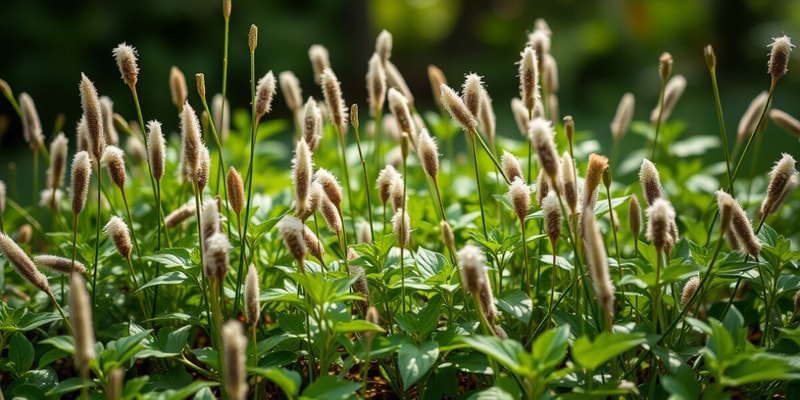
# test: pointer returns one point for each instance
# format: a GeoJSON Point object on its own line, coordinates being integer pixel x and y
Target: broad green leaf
{"type": "Point", "coordinates": [428, 262]}
{"type": "Point", "coordinates": [415, 362]}
{"type": "Point", "coordinates": [682, 385]}
{"type": "Point", "coordinates": [472, 362]}
{"type": "Point", "coordinates": [50, 356]}
{"type": "Point", "coordinates": [358, 325]}
{"type": "Point", "coordinates": [183, 393]}
{"type": "Point", "coordinates": [516, 303]}
{"type": "Point", "coordinates": [63, 343]}
{"type": "Point", "coordinates": [170, 278]}
{"type": "Point", "coordinates": [550, 348]}
{"type": "Point", "coordinates": [173, 341]}
{"type": "Point", "coordinates": [68, 386]}
{"type": "Point", "coordinates": [31, 321]}
{"type": "Point", "coordinates": [204, 394]}
{"type": "Point", "coordinates": [592, 354]}
{"type": "Point", "coordinates": [330, 388]}
{"type": "Point", "coordinates": [20, 353]}
{"type": "Point", "coordinates": [493, 393]}
{"type": "Point", "coordinates": [759, 367]}
{"type": "Point", "coordinates": [174, 257]}
{"type": "Point", "coordinates": [561, 262]}
{"type": "Point", "coordinates": [122, 349]}
{"type": "Point", "coordinates": [289, 381]}
{"type": "Point", "coordinates": [506, 352]}
{"type": "Point", "coordinates": [134, 386]}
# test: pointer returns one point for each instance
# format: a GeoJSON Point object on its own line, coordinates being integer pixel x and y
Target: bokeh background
{"type": "Point", "coordinates": [603, 49]}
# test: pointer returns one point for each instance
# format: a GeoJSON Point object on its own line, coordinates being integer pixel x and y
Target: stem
{"type": "Point", "coordinates": [658, 122]}
{"type": "Point", "coordinates": [718, 103]}
{"type": "Point", "coordinates": [254, 125]}
{"type": "Point", "coordinates": [366, 183]}
{"type": "Point", "coordinates": [97, 235]}
{"type": "Point", "coordinates": [527, 282]}
{"type": "Point", "coordinates": [347, 179]}
{"type": "Point", "coordinates": [478, 183]}
{"type": "Point", "coordinates": [255, 363]}
{"type": "Point", "coordinates": [61, 311]}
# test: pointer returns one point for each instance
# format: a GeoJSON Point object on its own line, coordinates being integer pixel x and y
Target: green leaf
{"type": "Point", "coordinates": [493, 393]}
{"type": "Point", "coordinates": [759, 367]}
{"type": "Point", "coordinates": [63, 343]}
{"type": "Point", "coordinates": [31, 321]}
{"type": "Point", "coordinates": [506, 352]}
{"type": "Point", "coordinates": [358, 325]}
{"type": "Point", "coordinates": [330, 388]}
{"type": "Point", "coordinates": [415, 362]}
{"type": "Point", "coordinates": [174, 257]}
{"type": "Point", "coordinates": [20, 353]}
{"type": "Point", "coordinates": [120, 350]}
{"type": "Point", "coordinates": [170, 278]}
{"type": "Point", "coordinates": [182, 393]}
{"type": "Point", "coordinates": [682, 385]}
{"type": "Point", "coordinates": [173, 341]}
{"type": "Point", "coordinates": [550, 348]}
{"type": "Point", "coordinates": [68, 386]}
{"type": "Point", "coordinates": [516, 303]}
{"type": "Point", "coordinates": [50, 356]}
{"type": "Point", "coordinates": [134, 386]}
{"type": "Point", "coordinates": [591, 355]}
{"type": "Point", "coordinates": [428, 262]}
{"type": "Point", "coordinates": [204, 394]}
{"type": "Point", "coordinates": [289, 381]}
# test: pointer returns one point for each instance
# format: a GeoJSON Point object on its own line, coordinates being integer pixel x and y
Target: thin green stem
{"type": "Point", "coordinates": [721, 120]}
{"type": "Point", "coordinates": [366, 183]}
{"type": "Point", "coordinates": [97, 235]}
{"type": "Point", "coordinates": [255, 362]}
{"type": "Point", "coordinates": [478, 183]}
{"type": "Point", "coordinates": [61, 311]}
{"type": "Point", "coordinates": [254, 130]}
{"type": "Point", "coordinates": [658, 122]}
{"type": "Point", "coordinates": [346, 171]}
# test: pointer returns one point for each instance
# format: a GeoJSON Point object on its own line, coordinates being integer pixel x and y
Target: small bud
{"type": "Point", "coordinates": [711, 58]}
{"type": "Point", "coordinates": [226, 9]}
{"type": "Point", "coordinates": [59, 264]}
{"type": "Point", "coordinates": [623, 117]}
{"type": "Point", "coordinates": [126, 62]}
{"type": "Point", "coordinates": [372, 317]}
{"type": "Point", "coordinates": [5, 88]}
{"type": "Point", "coordinates": [200, 81]}
{"type": "Point", "coordinates": [58, 161]}
{"type": "Point", "coordinates": [252, 38]}
{"type": "Point", "coordinates": [107, 114]}
{"type": "Point", "coordinates": [302, 169]}
{"type": "Point", "coordinates": [290, 86]}
{"type": "Point", "coordinates": [235, 190]}
{"type": "Point", "coordinates": [203, 168]}
{"type": "Point", "coordinates": [486, 118]}
{"type": "Point", "coordinates": [177, 87]}
{"type": "Point", "coordinates": [360, 286]}
{"type": "Point", "coordinates": [665, 66]}
{"type": "Point", "coordinates": [191, 143]}
{"type": "Point", "coordinates": [81, 172]}
{"type": "Point", "coordinates": [447, 235]}
{"type": "Point", "coordinates": [778, 62]}
{"type": "Point", "coordinates": [252, 308]}
{"type": "Point", "coordinates": [2, 197]}
{"type": "Point", "coordinates": [542, 186]}
{"type": "Point", "coordinates": [569, 128]}
{"type": "Point", "coordinates": [726, 206]}
{"type": "Point", "coordinates": [594, 173]}
{"type": "Point", "coordinates": [118, 231]}
{"type": "Point", "coordinates": [23, 264]}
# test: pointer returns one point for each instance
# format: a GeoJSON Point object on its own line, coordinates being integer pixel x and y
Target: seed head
{"type": "Point", "coordinates": [107, 112]}
{"type": "Point", "coordinates": [59, 264]}
{"type": "Point", "coordinates": [782, 180]}
{"type": "Point", "coordinates": [672, 93]}
{"type": "Point", "coordinates": [486, 299]}
{"type": "Point", "coordinates": [210, 219]}
{"type": "Point", "coordinates": [113, 159]}
{"type": "Point", "coordinates": [372, 316]}
{"type": "Point", "coordinates": [634, 215]}
{"type": "Point", "coordinates": [660, 219]}
{"type": "Point", "coordinates": [436, 78]}
{"type": "Point", "coordinates": [332, 91]}
{"type": "Point", "coordinates": [750, 119]}
{"type": "Point", "coordinates": [156, 149]}
{"type": "Point", "coordinates": [136, 149]}
{"type": "Point", "coordinates": [511, 167]}
{"type": "Point", "coordinates": [597, 261]}
{"type": "Point", "coordinates": [785, 121]}
{"type": "Point", "coordinates": [234, 344]}
{"type": "Point", "coordinates": [519, 194]}
{"type": "Point", "coordinates": [376, 84]}
{"type": "Point", "coordinates": [594, 173]}
{"type": "Point", "coordinates": [313, 244]}
{"type": "Point", "coordinates": [31, 125]}
{"type": "Point", "coordinates": [226, 8]}
{"type": "Point", "coordinates": [542, 186]}
{"type": "Point", "coordinates": [540, 132]}
{"type": "Point", "coordinates": [689, 289]}
{"type": "Point", "coordinates": [191, 143]}
{"type": "Point", "coordinates": [428, 153]}
{"type": "Point", "coordinates": [651, 183]}
{"type": "Point", "coordinates": [384, 182]}
{"type": "Point", "coordinates": [623, 117]}
{"type": "Point", "coordinates": [252, 308]}
{"type": "Point", "coordinates": [398, 105]}
{"type": "Point", "coordinates": [291, 230]}
{"type": "Point", "coordinates": [181, 214]}
{"type": "Point", "coordinates": [330, 186]}
{"type": "Point", "coordinates": [203, 168]}
{"type": "Point", "coordinates": [125, 56]}
{"type": "Point", "coordinates": [177, 87]}
{"type": "Point", "coordinates": [23, 264]}
{"type": "Point", "coordinates": [235, 190]}
{"type": "Point", "coordinates": [290, 86]}
{"type": "Point", "coordinates": [5, 88]}
{"type": "Point", "coordinates": [486, 118]}
{"type": "Point", "coordinates": [396, 193]}
{"type": "Point", "coordinates": [302, 169]}
{"type": "Point", "coordinates": [360, 286]}
{"type": "Point", "coordinates": [529, 79]}
{"type": "Point", "coordinates": [80, 316]}
{"type": "Point", "coordinates": [82, 134]}
{"type": "Point", "coordinates": [221, 113]}
{"type": "Point", "coordinates": [79, 181]}
{"type": "Point", "coordinates": [520, 115]}
{"type": "Point", "coordinates": [50, 198]}
{"type": "Point", "coordinates": [394, 79]}
{"type": "Point", "coordinates": [58, 161]}
{"type": "Point", "coordinates": [2, 197]}
{"type": "Point", "coordinates": [568, 181]}
{"type": "Point", "coordinates": [778, 62]}
{"type": "Point", "coordinates": [550, 75]}
{"type": "Point", "coordinates": [665, 66]}
{"type": "Point", "coordinates": [401, 226]}
{"type": "Point", "coordinates": [118, 231]}
{"type": "Point", "coordinates": [318, 55]}
{"type": "Point", "coordinates": [215, 257]}
{"type": "Point", "coordinates": [472, 261]}
{"type": "Point", "coordinates": [447, 235]}
{"type": "Point", "coordinates": [457, 109]}
{"type": "Point", "coordinates": [552, 217]}
{"type": "Point", "coordinates": [265, 91]}
{"type": "Point", "coordinates": [471, 94]}
{"type": "Point", "coordinates": [383, 45]}
{"type": "Point", "coordinates": [312, 124]}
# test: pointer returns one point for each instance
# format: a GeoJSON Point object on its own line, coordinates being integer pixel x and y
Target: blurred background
{"type": "Point", "coordinates": [603, 49]}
